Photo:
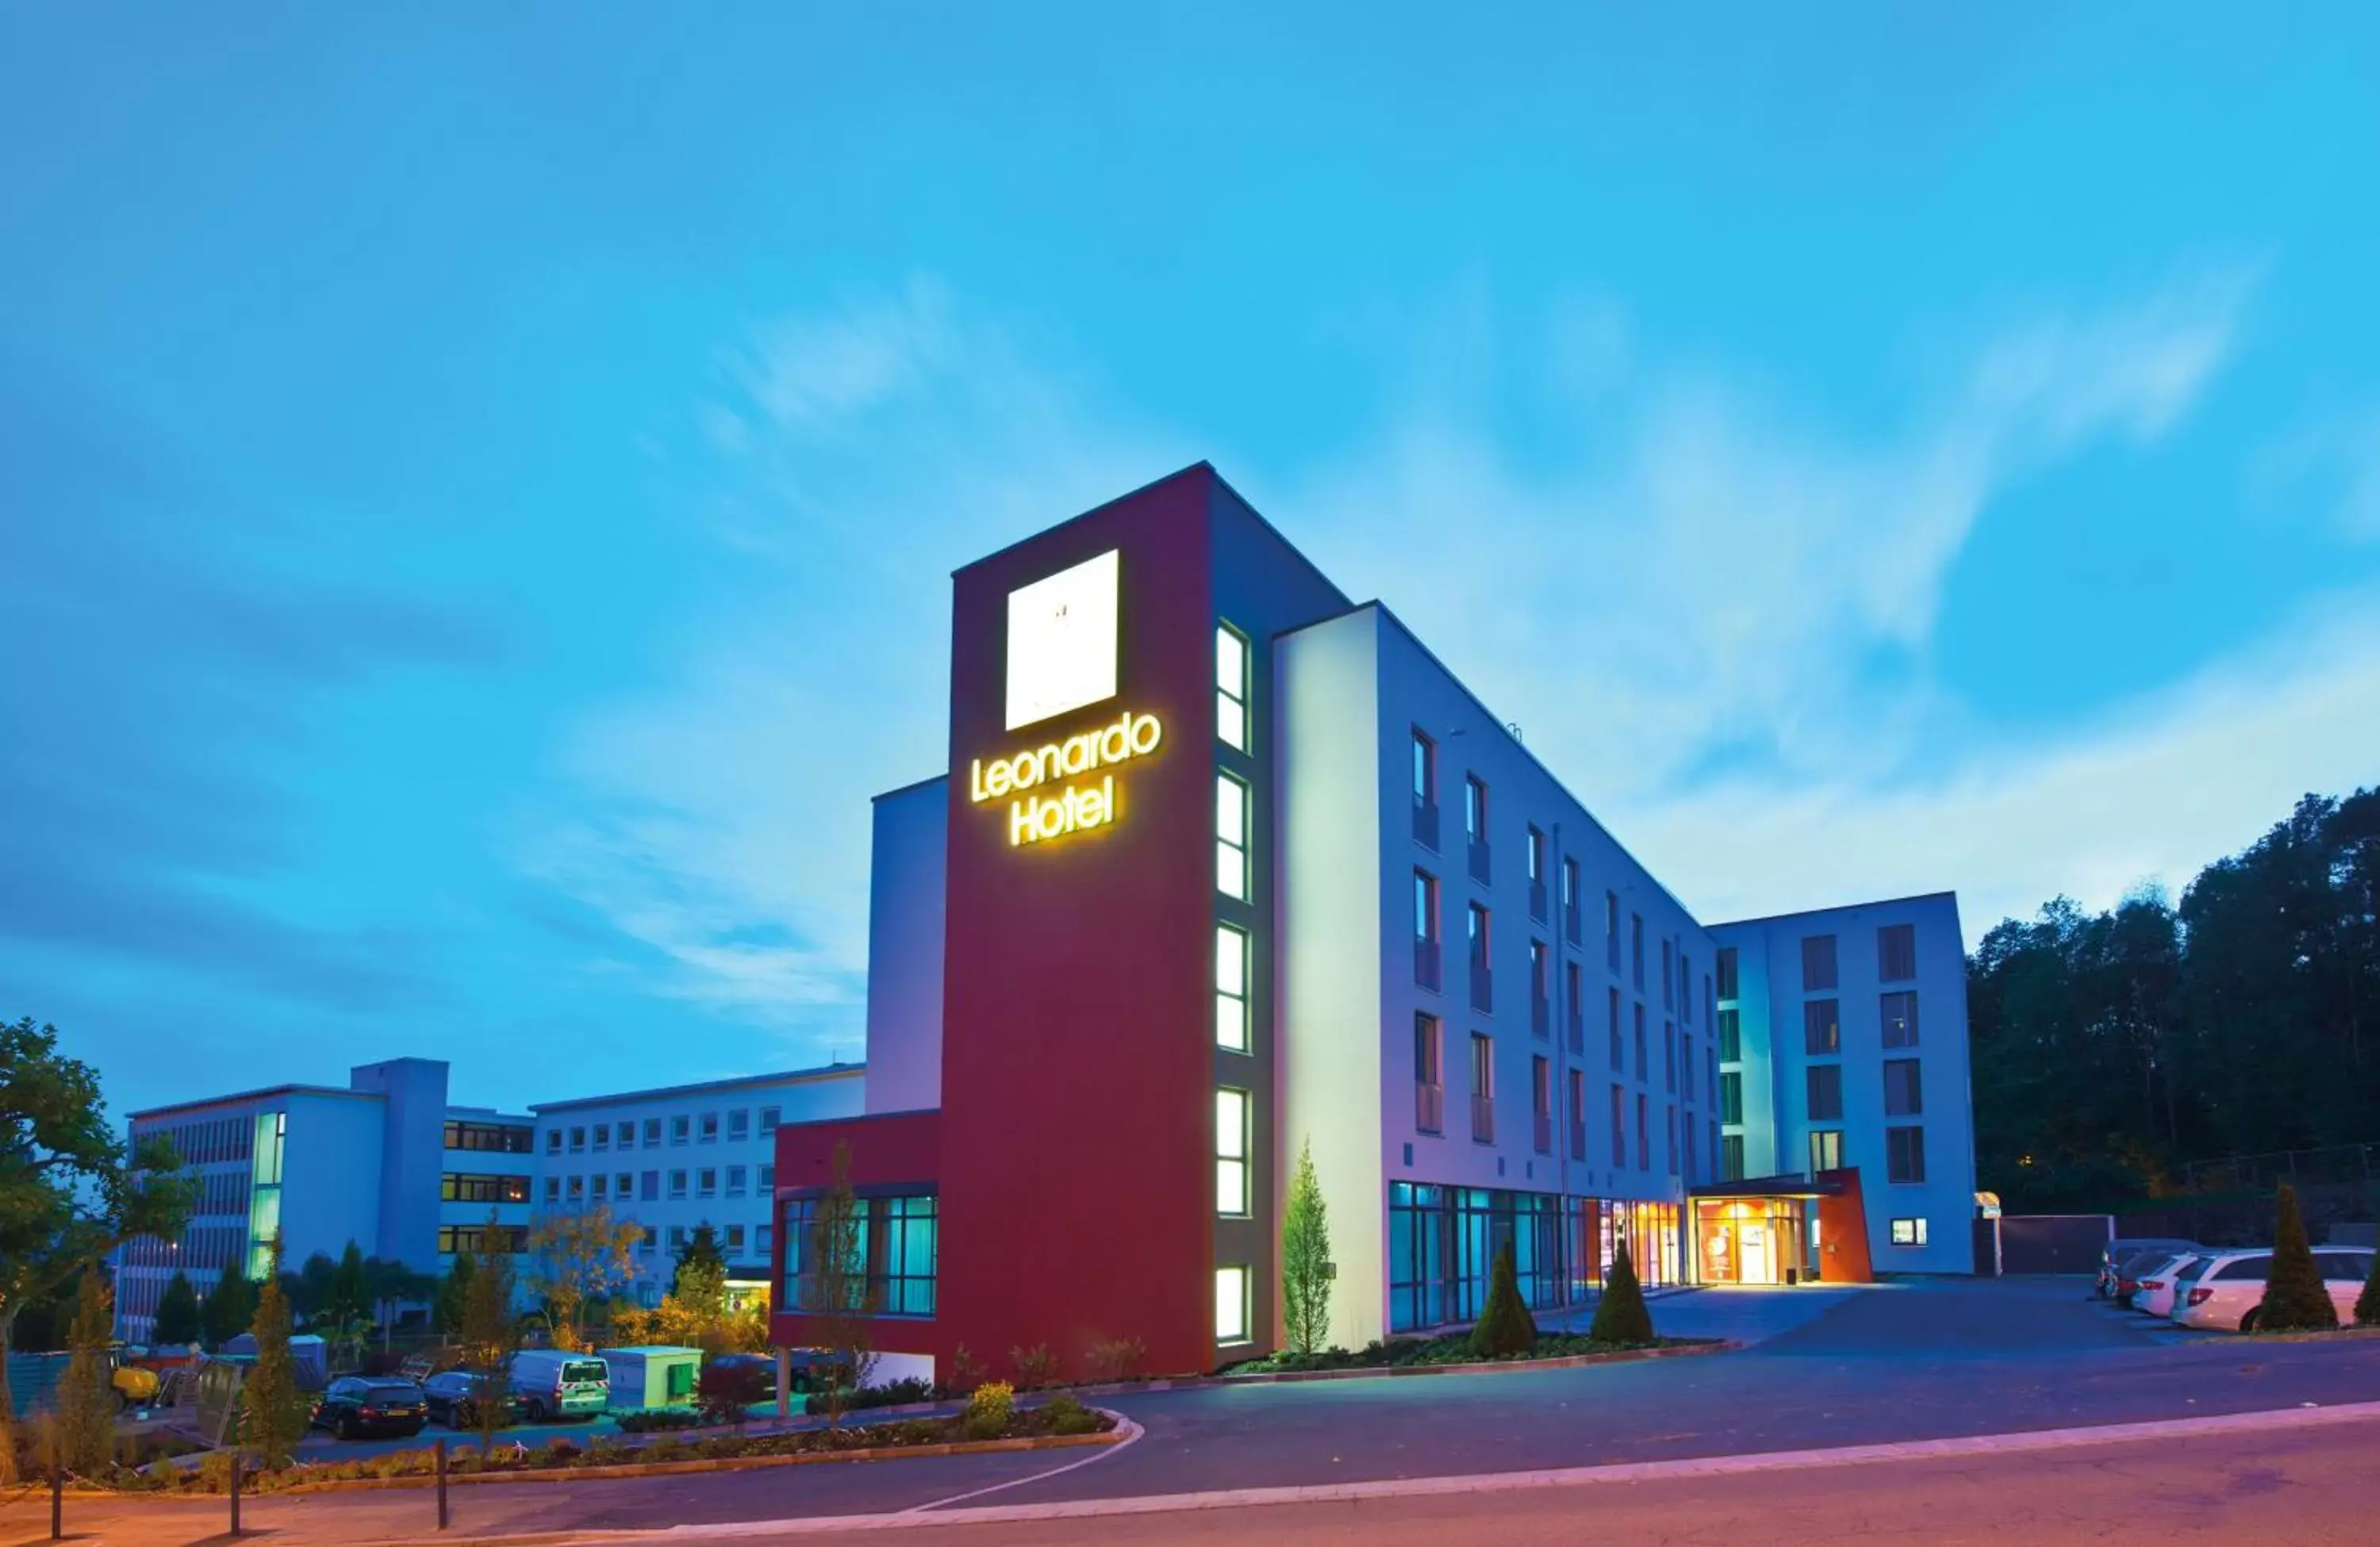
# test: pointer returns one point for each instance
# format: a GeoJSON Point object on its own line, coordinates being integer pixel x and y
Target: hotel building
{"type": "Point", "coordinates": [1227, 865]}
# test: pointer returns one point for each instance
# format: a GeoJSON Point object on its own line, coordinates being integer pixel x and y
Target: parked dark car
{"type": "Point", "coordinates": [357, 1405]}
{"type": "Point", "coordinates": [767, 1365]}
{"type": "Point", "coordinates": [453, 1397]}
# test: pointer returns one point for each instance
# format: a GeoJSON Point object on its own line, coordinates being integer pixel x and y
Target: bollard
{"type": "Point", "coordinates": [235, 1492]}
{"type": "Point", "coordinates": [58, 1502]}
{"type": "Point", "coordinates": [441, 1482]}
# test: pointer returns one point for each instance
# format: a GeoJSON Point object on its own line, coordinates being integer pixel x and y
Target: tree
{"type": "Point", "coordinates": [577, 1258]}
{"type": "Point", "coordinates": [1305, 1258]}
{"type": "Point", "coordinates": [454, 1291]}
{"type": "Point", "coordinates": [272, 1411]}
{"type": "Point", "coordinates": [835, 1289]}
{"type": "Point", "coordinates": [69, 1195]}
{"type": "Point", "coordinates": [702, 1254]}
{"type": "Point", "coordinates": [86, 1415]}
{"type": "Point", "coordinates": [490, 1333]}
{"type": "Point", "coordinates": [1620, 1316]}
{"type": "Point", "coordinates": [228, 1308]}
{"type": "Point", "coordinates": [2367, 1304]}
{"type": "Point", "coordinates": [341, 1315]}
{"type": "Point", "coordinates": [2295, 1296]}
{"type": "Point", "coordinates": [390, 1284]}
{"type": "Point", "coordinates": [1505, 1326]}
{"type": "Point", "coordinates": [177, 1313]}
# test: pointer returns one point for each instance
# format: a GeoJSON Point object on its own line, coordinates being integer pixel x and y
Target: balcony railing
{"type": "Point", "coordinates": [1483, 987]}
{"type": "Point", "coordinates": [1429, 1108]}
{"type": "Point", "coordinates": [1482, 1118]}
{"type": "Point", "coordinates": [1425, 965]}
{"type": "Point", "coordinates": [1425, 822]}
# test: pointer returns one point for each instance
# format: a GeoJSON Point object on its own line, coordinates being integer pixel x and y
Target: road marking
{"type": "Point", "coordinates": [1498, 1483]}
{"type": "Point", "coordinates": [1132, 1433]}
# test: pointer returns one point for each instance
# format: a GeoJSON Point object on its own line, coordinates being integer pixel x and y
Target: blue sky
{"type": "Point", "coordinates": [478, 489]}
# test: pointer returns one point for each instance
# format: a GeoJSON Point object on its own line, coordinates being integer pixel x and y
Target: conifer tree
{"type": "Point", "coordinates": [1306, 1259]}
{"type": "Point", "coordinates": [273, 1410]}
{"type": "Point", "coordinates": [1621, 1316]}
{"type": "Point", "coordinates": [177, 1313]}
{"type": "Point", "coordinates": [228, 1308]}
{"type": "Point", "coordinates": [87, 1395]}
{"type": "Point", "coordinates": [1505, 1328]}
{"type": "Point", "coordinates": [2295, 1296]}
{"type": "Point", "coordinates": [2367, 1304]}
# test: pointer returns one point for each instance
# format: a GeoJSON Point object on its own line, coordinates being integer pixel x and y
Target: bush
{"type": "Point", "coordinates": [891, 1393]}
{"type": "Point", "coordinates": [646, 1420]}
{"type": "Point", "coordinates": [917, 1432]}
{"type": "Point", "coordinates": [1505, 1328]}
{"type": "Point", "coordinates": [1064, 1415]}
{"type": "Point", "coordinates": [1118, 1359]}
{"type": "Point", "coordinates": [2295, 1296]}
{"type": "Point", "coordinates": [2367, 1304]}
{"type": "Point", "coordinates": [725, 1393]}
{"type": "Point", "coordinates": [966, 1372]}
{"type": "Point", "coordinates": [989, 1411]}
{"type": "Point", "coordinates": [1035, 1366]}
{"type": "Point", "coordinates": [667, 1449]}
{"type": "Point", "coordinates": [1620, 1317]}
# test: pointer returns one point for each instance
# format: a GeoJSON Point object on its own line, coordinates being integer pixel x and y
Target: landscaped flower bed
{"type": "Point", "coordinates": [1399, 1353]}
{"type": "Point", "coordinates": [1060, 1416]}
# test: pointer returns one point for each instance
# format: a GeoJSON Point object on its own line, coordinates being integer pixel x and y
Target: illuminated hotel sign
{"type": "Point", "coordinates": [1034, 816]}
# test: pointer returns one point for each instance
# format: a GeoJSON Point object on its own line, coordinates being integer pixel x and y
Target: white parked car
{"type": "Point", "coordinates": [2225, 1293]}
{"type": "Point", "coordinates": [2158, 1290]}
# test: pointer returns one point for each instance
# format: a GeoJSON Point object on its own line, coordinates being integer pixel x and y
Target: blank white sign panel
{"type": "Point", "coordinates": [1062, 640]}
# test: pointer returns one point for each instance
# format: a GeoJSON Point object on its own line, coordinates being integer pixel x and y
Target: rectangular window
{"type": "Point", "coordinates": [1909, 1232]}
{"type": "Point", "coordinates": [1231, 688]}
{"type": "Point", "coordinates": [1669, 976]}
{"type": "Point", "coordinates": [1429, 1074]}
{"type": "Point", "coordinates": [1231, 1305]}
{"type": "Point", "coordinates": [1644, 1134]}
{"type": "Point", "coordinates": [1474, 825]}
{"type": "Point", "coordinates": [771, 1119]}
{"type": "Point", "coordinates": [553, 1189]}
{"type": "Point", "coordinates": [1901, 1094]}
{"type": "Point", "coordinates": [1685, 988]}
{"type": "Point", "coordinates": [1572, 925]}
{"type": "Point", "coordinates": [1483, 981]}
{"type": "Point", "coordinates": [1817, 962]}
{"type": "Point", "coordinates": [706, 1182]}
{"type": "Point", "coordinates": [1672, 1130]}
{"type": "Point", "coordinates": [1826, 1092]}
{"type": "Point", "coordinates": [1541, 988]}
{"type": "Point", "coordinates": [1730, 1037]}
{"type": "Point", "coordinates": [1643, 1063]}
{"type": "Point", "coordinates": [1618, 1126]}
{"type": "Point", "coordinates": [1618, 1055]}
{"type": "Point", "coordinates": [577, 1189]}
{"type": "Point", "coordinates": [1541, 1104]}
{"type": "Point", "coordinates": [1730, 1158]}
{"type": "Point", "coordinates": [1231, 988]}
{"type": "Point", "coordinates": [577, 1140]}
{"type": "Point", "coordinates": [1483, 1088]}
{"type": "Point", "coordinates": [1727, 977]}
{"type": "Point", "coordinates": [1730, 1098]}
{"type": "Point", "coordinates": [1424, 789]}
{"type": "Point", "coordinates": [677, 1237]}
{"type": "Point", "coordinates": [1574, 1008]}
{"type": "Point", "coordinates": [1230, 1151]}
{"type": "Point", "coordinates": [735, 1180]}
{"type": "Point", "coordinates": [602, 1187]}
{"type": "Point", "coordinates": [739, 1124]}
{"type": "Point", "coordinates": [681, 1129]}
{"type": "Point", "coordinates": [624, 1187]}
{"type": "Point", "coordinates": [896, 1249]}
{"type": "Point", "coordinates": [554, 1141]}
{"type": "Point", "coordinates": [1825, 1150]}
{"type": "Point", "coordinates": [1231, 837]}
{"type": "Point", "coordinates": [1611, 930]}
{"type": "Point", "coordinates": [602, 1136]}
{"type": "Point", "coordinates": [677, 1183]}
{"type": "Point", "coordinates": [1577, 1114]}
{"type": "Point", "coordinates": [1426, 931]}
{"type": "Point", "coordinates": [767, 1181]}
{"type": "Point", "coordinates": [1822, 1031]}
{"type": "Point", "coordinates": [1637, 950]}
{"type": "Point", "coordinates": [1896, 954]}
{"type": "Point", "coordinates": [627, 1136]}
{"type": "Point", "coordinates": [1670, 1057]}
{"type": "Point", "coordinates": [1899, 1011]}
{"type": "Point", "coordinates": [735, 1240]}
{"type": "Point", "coordinates": [761, 1242]}
{"type": "Point", "coordinates": [1904, 1154]}
{"type": "Point", "coordinates": [652, 1132]}
{"type": "Point", "coordinates": [649, 1185]}
{"type": "Point", "coordinates": [710, 1129]}
{"type": "Point", "coordinates": [1535, 853]}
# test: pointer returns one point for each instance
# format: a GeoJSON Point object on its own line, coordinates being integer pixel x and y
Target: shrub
{"type": "Point", "coordinates": [1035, 1366]}
{"type": "Point", "coordinates": [1620, 1316]}
{"type": "Point", "coordinates": [1505, 1327]}
{"type": "Point", "coordinates": [1064, 1415]}
{"type": "Point", "coordinates": [989, 1411]}
{"type": "Point", "coordinates": [917, 1432]}
{"type": "Point", "coordinates": [718, 1447]}
{"type": "Point", "coordinates": [1118, 1359]}
{"type": "Point", "coordinates": [2367, 1304]}
{"type": "Point", "coordinates": [554, 1452]}
{"type": "Point", "coordinates": [966, 1372]}
{"type": "Point", "coordinates": [667, 1449]}
{"type": "Point", "coordinates": [646, 1420]}
{"type": "Point", "coordinates": [725, 1393]}
{"type": "Point", "coordinates": [2295, 1296]}
{"type": "Point", "coordinates": [891, 1393]}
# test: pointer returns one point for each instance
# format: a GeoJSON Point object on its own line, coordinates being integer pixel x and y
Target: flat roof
{"type": "Point", "coordinates": [1840, 908]}
{"type": "Point", "coordinates": [740, 1082]}
{"type": "Point", "coordinates": [256, 1095]}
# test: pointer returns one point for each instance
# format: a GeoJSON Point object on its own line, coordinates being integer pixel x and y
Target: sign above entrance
{"type": "Point", "coordinates": [1034, 816]}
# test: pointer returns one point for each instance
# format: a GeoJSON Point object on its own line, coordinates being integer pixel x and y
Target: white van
{"type": "Point", "coordinates": [554, 1384]}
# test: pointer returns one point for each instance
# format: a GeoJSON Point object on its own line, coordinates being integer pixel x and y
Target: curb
{"type": "Point", "coordinates": [1485, 1366]}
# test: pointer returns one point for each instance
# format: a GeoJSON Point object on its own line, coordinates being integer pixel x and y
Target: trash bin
{"type": "Point", "coordinates": [1793, 1277]}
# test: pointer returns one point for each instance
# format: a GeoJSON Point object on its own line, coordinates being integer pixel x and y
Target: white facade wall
{"type": "Point", "coordinates": [906, 909]}
{"type": "Point", "coordinates": [696, 1155]}
{"type": "Point", "coordinates": [1777, 1107]}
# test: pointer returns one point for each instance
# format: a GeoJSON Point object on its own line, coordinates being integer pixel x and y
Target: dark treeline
{"type": "Point", "coordinates": [2110, 1048]}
